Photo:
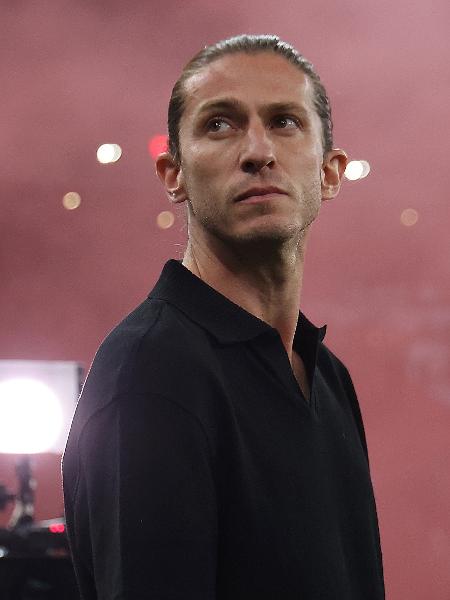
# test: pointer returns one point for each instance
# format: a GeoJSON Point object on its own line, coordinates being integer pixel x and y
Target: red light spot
{"type": "Point", "coordinates": [157, 144]}
{"type": "Point", "coordinates": [57, 528]}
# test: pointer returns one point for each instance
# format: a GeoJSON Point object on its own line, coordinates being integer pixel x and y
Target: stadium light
{"type": "Point", "coordinates": [37, 403]}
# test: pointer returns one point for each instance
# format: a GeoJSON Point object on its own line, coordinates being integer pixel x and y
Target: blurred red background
{"type": "Point", "coordinates": [76, 75]}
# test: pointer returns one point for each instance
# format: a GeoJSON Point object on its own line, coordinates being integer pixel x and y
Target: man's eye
{"type": "Point", "coordinates": [286, 123]}
{"type": "Point", "coordinates": [217, 124]}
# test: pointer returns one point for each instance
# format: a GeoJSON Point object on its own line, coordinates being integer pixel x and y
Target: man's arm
{"type": "Point", "coordinates": [142, 513]}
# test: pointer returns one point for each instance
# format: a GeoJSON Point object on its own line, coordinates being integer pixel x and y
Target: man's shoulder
{"type": "Point", "coordinates": [154, 329]}
{"type": "Point", "coordinates": [338, 379]}
{"type": "Point", "coordinates": [155, 349]}
{"type": "Point", "coordinates": [329, 363]}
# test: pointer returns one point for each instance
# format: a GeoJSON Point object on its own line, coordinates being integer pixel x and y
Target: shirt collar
{"type": "Point", "coordinates": [224, 319]}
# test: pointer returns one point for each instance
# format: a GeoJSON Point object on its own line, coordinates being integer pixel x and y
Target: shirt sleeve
{"type": "Point", "coordinates": [144, 515]}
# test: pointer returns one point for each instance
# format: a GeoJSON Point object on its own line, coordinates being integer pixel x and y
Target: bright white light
{"type": "Point", "coordinates": [357, 169]}
{"type": "Point", "coordinates": [109, 153]}
{"type": "Point", "coordinates": [30, 416]}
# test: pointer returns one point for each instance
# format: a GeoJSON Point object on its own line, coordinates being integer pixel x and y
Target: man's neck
{"type": "Point", "coordinates": [268, 288]}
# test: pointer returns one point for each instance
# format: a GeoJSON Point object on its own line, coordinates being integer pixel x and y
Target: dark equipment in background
{"type": "Point", "coordinates": [35, 562]}
{"type": "Point", "coordinates": [34, 557]}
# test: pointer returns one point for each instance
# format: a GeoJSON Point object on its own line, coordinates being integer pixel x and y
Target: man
{"type": "Point", "coordinates": [218, 451]}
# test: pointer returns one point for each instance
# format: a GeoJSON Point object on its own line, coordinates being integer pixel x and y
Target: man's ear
{"type": "Point", "coordinates": [171, 176]}
{"type": "Point", "coordinates": [332, 172]}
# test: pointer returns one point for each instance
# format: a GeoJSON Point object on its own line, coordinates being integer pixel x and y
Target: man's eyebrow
{"type": "Point", "coordinates": [221, 104]}
{"type": "Point", "coordinates": [232, 104]}
{"type": "Point", "coordinates": [288, 107]}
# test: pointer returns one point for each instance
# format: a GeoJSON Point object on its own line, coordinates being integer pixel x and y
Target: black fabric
{"type": "Point", "coordinates": [195, 468]}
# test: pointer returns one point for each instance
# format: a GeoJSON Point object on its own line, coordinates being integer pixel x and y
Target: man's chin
{"type": "Point", "coordinates": [273, 231]}
{"type": "Point", "coordinates": [264, 234]}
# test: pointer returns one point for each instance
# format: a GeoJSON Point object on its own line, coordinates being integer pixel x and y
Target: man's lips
{"type": "Point", "coordinates": [258, 191]}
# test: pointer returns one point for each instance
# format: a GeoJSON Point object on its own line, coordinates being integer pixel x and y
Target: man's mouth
{"type": "Point", "coordinates": [257, 193]}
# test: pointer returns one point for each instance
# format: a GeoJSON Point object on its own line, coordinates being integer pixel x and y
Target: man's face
{"type": "Point", "coordinates": [251, 150]}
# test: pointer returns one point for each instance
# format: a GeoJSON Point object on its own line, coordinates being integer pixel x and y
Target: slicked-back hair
{"type": "Point", "coordinates": [249, 44]}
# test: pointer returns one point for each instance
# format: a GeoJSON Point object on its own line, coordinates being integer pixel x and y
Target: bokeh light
{"type": "Point", "coordinates": [409, 217]}
{"type": "Point", "coordinates": [165, 219]}
{"type": "Point", "coordinates": [357, 169]}
{"type": "Point", "coordinates": [108, 153]}
{"type": "Point", "coordinates": [30, 416]}
{"type": "Point", "coordinates": [71, 200]}
{"type": "Point", "coordinates": [157, 144]}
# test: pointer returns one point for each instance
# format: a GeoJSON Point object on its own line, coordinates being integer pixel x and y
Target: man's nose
{"type": "Point", "coordinates": [257, 151]}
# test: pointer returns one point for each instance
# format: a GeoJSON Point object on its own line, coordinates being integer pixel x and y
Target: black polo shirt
{"type": "Point", "coordinates": [195, 468]}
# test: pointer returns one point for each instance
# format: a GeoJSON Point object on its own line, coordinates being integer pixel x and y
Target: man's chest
{"type": "Point", "coordinates": [292, 479]}
{"type": "Point", "coordinates": [276, 434]}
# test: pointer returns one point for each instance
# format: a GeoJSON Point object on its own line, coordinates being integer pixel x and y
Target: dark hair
{"type": "Point", "coordinates": [248, 44]}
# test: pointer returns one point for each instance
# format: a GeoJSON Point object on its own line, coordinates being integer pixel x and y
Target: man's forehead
{"type": "Point", "coordinates": [269, 77]}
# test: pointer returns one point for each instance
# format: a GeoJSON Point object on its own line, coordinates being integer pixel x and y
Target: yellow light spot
{"type": "Point", "coordinates": [71, 200]}
{"type": "Point", "coordinates": [165, 219]}
{"type": "Point", "coordinates": [409, 217]}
